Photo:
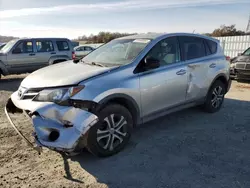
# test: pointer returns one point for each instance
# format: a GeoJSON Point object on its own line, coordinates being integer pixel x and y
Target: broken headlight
{"type": "Point", "coordinates": [58, 94]}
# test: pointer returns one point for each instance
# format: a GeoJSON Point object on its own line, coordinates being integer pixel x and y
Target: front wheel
{"type": "Point", "coordinates": [112, 132]}
{"type": "Point", "coordinates": [215, 97]}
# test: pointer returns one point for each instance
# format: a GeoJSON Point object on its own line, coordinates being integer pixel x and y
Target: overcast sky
{"type": "Point", "coordinates": [64, 18]}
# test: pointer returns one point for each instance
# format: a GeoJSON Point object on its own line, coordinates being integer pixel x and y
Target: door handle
{"type": "Point", "coordinates": [181, 72]}
{"type": "Point", "coordinates": [213, 65]}
{"type": "Point", "coordinates": [53, 53]}
{"type": "Point", "coordinates": [193, 65]}
{"type": "Point", "coordinates": [32, 54]}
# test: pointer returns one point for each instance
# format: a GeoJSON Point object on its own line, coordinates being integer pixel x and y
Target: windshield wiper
{"type": "Point", "coordinates": [77, 60]}
{"type": "Point", "coordinates": [97, 64]}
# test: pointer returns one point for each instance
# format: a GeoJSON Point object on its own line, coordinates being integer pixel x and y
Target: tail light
{"type": "Point", "coordinates": [73, 55]}
{"type": "Point", "coordinates": [228, 58]}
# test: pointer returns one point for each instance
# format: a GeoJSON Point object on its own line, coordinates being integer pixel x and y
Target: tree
{"type": "Point", "coordinates": [6, 38]}
{"type": "Point", "coordinates": [102, 37]}
{"type": "Point", "coordinates": [226, 31]}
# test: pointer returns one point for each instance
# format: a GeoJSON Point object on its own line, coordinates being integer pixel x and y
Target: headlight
{"type": "Point", "coordinates": [57, 95]}
{"type": "Point", "coordinates": [232, 65]}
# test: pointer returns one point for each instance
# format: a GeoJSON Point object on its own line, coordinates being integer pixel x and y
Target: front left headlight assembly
{"type": "Point", "coordinates": [57, 95]}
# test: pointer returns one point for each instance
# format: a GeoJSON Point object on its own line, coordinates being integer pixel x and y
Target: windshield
{"type": "Point", "coordinates": [8, 46]}
{"type": "Point", "coordinates": [117, 52]}
{"type": "Point", "coordinates": [247, 52]}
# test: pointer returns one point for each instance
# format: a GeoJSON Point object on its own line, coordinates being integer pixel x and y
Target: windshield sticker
{"type": "Point", "coordinates": [142, 40]}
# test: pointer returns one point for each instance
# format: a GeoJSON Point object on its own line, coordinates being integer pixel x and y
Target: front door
{"type": "Point", "coordinates": [21, 57]}
{"type": "Point", "coordinates": [166, 86]}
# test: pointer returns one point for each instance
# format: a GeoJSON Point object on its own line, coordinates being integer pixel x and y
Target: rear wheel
{"type": "Point", "coordinates": [215, 97]}
{"type": "Point", "coordinates": [112, 132]}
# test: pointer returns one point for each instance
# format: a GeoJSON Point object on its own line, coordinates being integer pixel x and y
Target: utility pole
{"type": "Point", "coordinates": [248, 25]}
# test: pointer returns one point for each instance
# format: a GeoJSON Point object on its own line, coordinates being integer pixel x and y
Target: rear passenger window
{"type": "Point", "coordinates": [62, 45]}
{"type": "Point", "coordinates": [212, 46]}
{"type": "Point", "coordinates": [192, 47]}
{"type": "Point", "coordinates": [44, 46]}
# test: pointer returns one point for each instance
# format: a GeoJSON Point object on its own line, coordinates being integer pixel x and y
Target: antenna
{"type": "Point", "coordinates": [248, 25]}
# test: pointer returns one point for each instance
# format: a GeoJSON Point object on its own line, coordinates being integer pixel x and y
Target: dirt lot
{"type": "Point", "coordinates": [185, 149]}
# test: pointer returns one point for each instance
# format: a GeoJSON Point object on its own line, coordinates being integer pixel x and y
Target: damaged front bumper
{"type": "Point", "coordinates": [60, 128]}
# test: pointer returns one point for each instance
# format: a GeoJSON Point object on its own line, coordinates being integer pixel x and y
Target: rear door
{"type": "Point", "coordinates": [79, 51]}
{"type": "Point", "coordinates": [22, 57]}
{"type": "Point", "coordinates": [163, 87]}
{"type": "Point", "coordinates": [87, 50]}
{"type": "Point", "coordinates": [64, 48]}
{"type": "Point", "coordinates": [196, 55]}
{"type": "Point", "coordinates": [44, 50]}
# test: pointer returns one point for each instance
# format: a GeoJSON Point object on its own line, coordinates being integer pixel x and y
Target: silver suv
{"type": "Point", "coordinates": [95, 103]}
{"type": "Point", "coordinates": [27, 55]}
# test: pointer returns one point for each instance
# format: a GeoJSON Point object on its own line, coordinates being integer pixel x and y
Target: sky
{"type": "Point", "coordinates": [73, 18]}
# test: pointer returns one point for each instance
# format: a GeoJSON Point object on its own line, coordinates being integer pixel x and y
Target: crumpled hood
{"type": "Point", "coordinates": [241, 59]}
{"type": "Point", "coordinates": [66, 73]}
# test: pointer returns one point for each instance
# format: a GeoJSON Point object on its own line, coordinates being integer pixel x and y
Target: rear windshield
{"type": "Point", "coordinates": [247, 52]}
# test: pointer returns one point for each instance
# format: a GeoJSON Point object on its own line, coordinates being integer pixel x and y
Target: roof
{"type": "Point", "coordinates": [41, 38]}
{"type": "Point", "coordinates": [143, 36]}
{"type": "Point", "coordinates": [156, 35]}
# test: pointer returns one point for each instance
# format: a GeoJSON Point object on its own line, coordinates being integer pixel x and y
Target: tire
{"type": "Point", "coordinates": [215, 97]}
{"type": "Point", "coordinates": [104, 139]}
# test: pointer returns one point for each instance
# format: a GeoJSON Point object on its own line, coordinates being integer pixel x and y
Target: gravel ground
{"type": "Point", "coordinates": [185, 149]}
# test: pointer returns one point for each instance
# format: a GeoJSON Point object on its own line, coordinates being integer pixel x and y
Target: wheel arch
{"type": "Point", "coordinates": [223, 78]}
{"type": "Point", "coordinates": [56, 58]}
{"type": "Point", "coordinates": [126, 101]}
{"type": "Point", "coordinates": [3, 69]}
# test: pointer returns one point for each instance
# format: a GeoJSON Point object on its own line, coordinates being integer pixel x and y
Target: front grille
{"type": "Point", "coordinates": [248, 66]}
{"type": "Point", "coordinates": [240, 65]}
{"type": "Point", "coordinates": [28, 97]}
{"type": "Point", "coordinates": [35, 90]}
{"type": "Point", "coordinates": [28, 94]}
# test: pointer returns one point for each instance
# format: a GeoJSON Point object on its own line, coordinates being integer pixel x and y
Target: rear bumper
{"type": "Point", "coordinates": [56, 127]}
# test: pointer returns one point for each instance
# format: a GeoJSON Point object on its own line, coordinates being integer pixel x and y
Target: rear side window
{"type": "Point", "coordinates": [212, 46]}
{"type": "Point", "coordinates": [44, 46]}
{"type": "Point", "coordinates": [192, 47]}
{"type": "Point", "coordinates": [62, 45]}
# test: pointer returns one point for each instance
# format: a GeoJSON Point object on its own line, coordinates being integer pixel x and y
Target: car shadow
{"type": "Point", "coordinates": [10, 84]}
{"type": "Point", "coordinates": [243, 81]}
{"type": "Point", "coordinates": [189, 148]}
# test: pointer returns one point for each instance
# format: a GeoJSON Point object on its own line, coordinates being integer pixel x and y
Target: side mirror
{"type": "Point", "coordinates": [239, 54]}
{"type": "Point", "coordinates": [151, 63]}
{"type": "Point", "coordinates": [17, 51]}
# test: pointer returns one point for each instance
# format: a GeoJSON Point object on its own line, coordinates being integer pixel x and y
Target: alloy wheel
{"type": "Point", "coordinates": [217, 97]}
{"type": "Point", "coordinates": [111, 132]}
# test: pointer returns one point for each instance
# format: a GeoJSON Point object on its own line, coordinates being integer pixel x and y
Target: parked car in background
{"type": "Point", "coordinates": [240, 66]}
{"type": "Point", "coordinates": [2, 45]}
{"type": "Point", "coordinates": [27, 55]}
{"type": "Point", "coordinates": [81, 51]}
{"type": "Point", "coordinates": [96, 102]}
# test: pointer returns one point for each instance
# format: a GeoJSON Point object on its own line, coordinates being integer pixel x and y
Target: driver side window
{"type": "Point", "coordinates": [167, 51]}
{"type": "Point", "coordinates": [23, 47]}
